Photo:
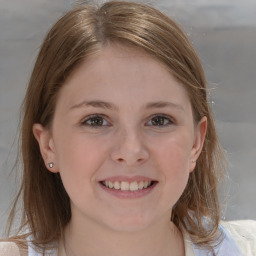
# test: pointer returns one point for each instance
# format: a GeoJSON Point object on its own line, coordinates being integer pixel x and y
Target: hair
{"type": "Point", "coordinates": [81, 32]}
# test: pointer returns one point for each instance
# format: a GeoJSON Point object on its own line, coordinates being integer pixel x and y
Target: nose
{"type": "Point", "coordinates": [129, 149]}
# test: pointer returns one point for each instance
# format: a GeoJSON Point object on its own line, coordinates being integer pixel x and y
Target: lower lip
{"type": "Point", "coordinates": [127, 193]}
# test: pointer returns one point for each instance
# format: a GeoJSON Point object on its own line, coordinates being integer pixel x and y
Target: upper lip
{"type": "Point", "coordinates": [120, 178]}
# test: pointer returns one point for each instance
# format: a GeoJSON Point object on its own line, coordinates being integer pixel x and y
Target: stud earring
{"type": "Point", "coordinates": [193, 161]}
{"type": "Point", "coordinates": [51, 165]}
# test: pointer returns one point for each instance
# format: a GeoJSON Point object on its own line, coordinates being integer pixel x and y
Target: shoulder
{"type": "Point", "coordinates": [238, 239]}
{"type": "Point", "coordinates": [9, 249]}
{"type": "Point", "coordinates": [22, 246]}
{"type": "Point", "coordinates": [14, 246]}
{"type": "Point", "coordinates": [244, 234]}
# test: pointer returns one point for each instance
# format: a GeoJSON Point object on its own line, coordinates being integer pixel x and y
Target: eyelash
{"type": "Point", "coordinates": [95, 116]}
{"type": "Point", "coordinates": [102, 118]}
{"type": "Point", "coordinates": [169, 119]}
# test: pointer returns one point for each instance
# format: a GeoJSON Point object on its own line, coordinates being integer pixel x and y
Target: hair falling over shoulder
{"type": "Point", "coordinates": [82, 32]}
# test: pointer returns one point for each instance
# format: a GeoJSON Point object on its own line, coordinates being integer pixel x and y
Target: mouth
{"type": "Point", "coordinates": [133, 186]}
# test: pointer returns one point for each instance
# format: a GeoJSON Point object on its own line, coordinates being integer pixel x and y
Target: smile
{"type": "Point", "coordinates": [128, 186]}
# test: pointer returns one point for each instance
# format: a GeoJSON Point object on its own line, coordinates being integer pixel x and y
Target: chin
{"type": "Point", "coordinates": [130, 223]}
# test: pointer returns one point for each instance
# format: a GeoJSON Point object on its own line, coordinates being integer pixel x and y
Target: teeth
{"type": "Point", "coordinates": [117, 185]}
{"type": "Point", "coordinates": [141, 185]}
{"type": "Point", "coordinates": [110, 184]}
{"type": "Point", "coordinates": [146, 183]}
{"type": "Point", "coordinates": [134, 186]}
{"type": "Point", "coordinates": [126, 186]}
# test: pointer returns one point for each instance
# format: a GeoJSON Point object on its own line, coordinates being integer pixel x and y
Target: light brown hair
{"type": "Point", "coordinates": [78, 34]}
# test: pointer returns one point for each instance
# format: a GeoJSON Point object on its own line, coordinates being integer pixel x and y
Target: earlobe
{"type": "Point", "coordinates": [46, 145]}
{"type": "Point", "coordinates": [200, 134]}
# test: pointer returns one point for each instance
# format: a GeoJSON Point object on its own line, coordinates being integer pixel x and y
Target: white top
{"type": "Point", "coordinates": [239, 240]}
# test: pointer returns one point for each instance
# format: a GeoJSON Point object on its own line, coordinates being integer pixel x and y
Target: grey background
{"type": "Point", "coordinates": [224, 34]}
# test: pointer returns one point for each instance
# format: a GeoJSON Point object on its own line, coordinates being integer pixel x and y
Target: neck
{"type": "Point", "coordinates": [161, 239]}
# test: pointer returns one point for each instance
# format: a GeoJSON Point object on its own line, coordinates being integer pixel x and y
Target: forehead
{"type": "Point", "coordinates": [116, 55]}
{"type": "Point", "coordinates": [119, 73]}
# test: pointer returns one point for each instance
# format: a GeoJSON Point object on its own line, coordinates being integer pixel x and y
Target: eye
{"type": "Point", "coordinates": [160, 120]}
{"type": "Point", "coordinates": [95, 121]}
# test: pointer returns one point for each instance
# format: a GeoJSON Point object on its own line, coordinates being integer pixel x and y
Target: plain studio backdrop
{"type": "Point", "coordinates": [223, 33]}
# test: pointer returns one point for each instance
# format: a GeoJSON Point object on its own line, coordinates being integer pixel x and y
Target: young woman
{"type": "Point", "coordinates": [119, 146]}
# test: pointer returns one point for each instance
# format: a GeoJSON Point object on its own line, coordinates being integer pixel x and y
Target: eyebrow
{"type": "Point", "coordinates": [95, 104]}
{"type": "Point", "coordinates": [164, 104]}
{"type": "Point", "coordinates": [110, 106]}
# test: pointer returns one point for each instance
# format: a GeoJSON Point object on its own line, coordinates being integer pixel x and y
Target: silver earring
{"type": "Point", "coordinates": [51, 165]}
{"type": "Point", "coordinates": [193, 161]}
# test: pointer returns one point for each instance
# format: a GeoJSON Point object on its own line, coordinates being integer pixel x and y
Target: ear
{"type": "Point", "coordinates": [46, 145]}
{"type": "Point", "coordinates": [200, 132]}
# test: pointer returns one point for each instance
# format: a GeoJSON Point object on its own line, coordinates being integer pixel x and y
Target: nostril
{"type": "Point", "coordinates": [121, 160]}
{"type": "Point", "coordinates": [129, 157]}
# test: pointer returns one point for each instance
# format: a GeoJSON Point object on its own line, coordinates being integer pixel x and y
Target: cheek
{"type": "Point", "coordinates": [77, 150]}
{"type": "Point", "coordinates": [175, 168]}
{"type": "Point", "coordinates": [79, 158]}
{"type": "Point", "coordinates": [173, 161]}
{"type": "Point", "coordinates": [174, 153]}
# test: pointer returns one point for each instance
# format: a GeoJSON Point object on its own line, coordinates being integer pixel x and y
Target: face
{"type": "Point", "coordinates": [123, 139]}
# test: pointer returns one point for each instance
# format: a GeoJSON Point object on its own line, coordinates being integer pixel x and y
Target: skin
{"type": "Point", "coordinates": [128, 141]}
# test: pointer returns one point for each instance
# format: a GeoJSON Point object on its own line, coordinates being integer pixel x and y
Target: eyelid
{"type": "Point", "coordinates": [85, 119]}
{"type": "Point", "coordinates": [105, 118]}
{"type": "Point", "coordinates": [170, 118]}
